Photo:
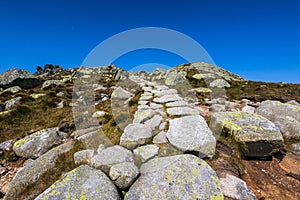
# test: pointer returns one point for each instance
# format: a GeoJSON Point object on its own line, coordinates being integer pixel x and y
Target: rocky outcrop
{"type": "Point", "coordinates": [255, 135]}
{"type": "Point", "coordinates": [34, 145]}
{"type": "Point", "coordinates": [83, 182]}
{"type": "Point", "coordinates": [50, 83]}
{"type": "Point", "coordinates": [176, 177]}
{"type": "Point", "coordinates": [33, 171]}
{"type": "Point", "coordinates": [285, 116]}
{"type": "Point", "coordinates": [18, 77]}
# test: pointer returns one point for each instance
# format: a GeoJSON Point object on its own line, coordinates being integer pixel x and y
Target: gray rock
{"type": "Point", "coordinates": [177, 104]}
{"type": "Point", "coordinates": [111, 156]}
{"type": "Point", "coordinates": [161, 93]}
{"type": "Point", "coordinates": [60, 94]}
{"type": "Point", "coordinates": [146, 98]}
{"type": "Point", "coordinates": [181, 111]}
{"type": "Point", "coordinates": [155, 106]}
{"type": "Point", "coordinates": [143, 107]}
{"type": "Point", "coordinates": [236, 188]}
{"type": "Point", "coordinates": [99, 114]}
{"type": "Point", "coordinates": [219, 83]}
{"type": "Point", "coordinates": [10, 104]}
{"type": "Point", "coordinates": [7, 145]}
{"type": "Point", "coordinates": [177, 177]}
{"type": "Point", "coordinates": [135, 135]}
{"type": "Point", "coordinates": [36, 144]}
{"type": "Point", "coordinates": [160, 138]}
{"type": "Point", "coordinates": [81, 132]}
{"type": "Point", "coordinates": [13, 89]}
{"type": "Point", "coordinates": [83, 182]}
{"type": "Point", "coordinates": [191, 133]}
{"type": "Point", "coordinates": [175, 77]}
{"type": "Point", "coordinates": [154, 122]}
{"type": "Point", "coordinates": [31, 173]}
{"type": "Point", "coordinates": [217, 108]}
{"type": "Point", "coordinates": [18, 77]}
{"type": "Point", "coordinates": [141, 116]}
{"type": "Point", "coordinates": [284, 116]}
{"type": "Point", "coordinates": [123, 174]}
{"type": "Point", "coordinates": [143, 102]}
{"type": "Point", "coordinates": [83, 157]}
{"type": "Point", "coordinates": [295, 148]}
{"type": "Point", "coordinates": [167, 98]}
{"type": "Point", "coordinates": [162, 126]}
{"type": "Point", "coordinates": [121, 93]}
{"type": "Point", "coordinates": [146, 152]}
{"type": "Point", "coordinates": [293, 102]}
{"type": "Point", "coordinates": [256, 135]}
{"type": "Point", "coordinates": [51, 83]}
{"type": "Point", "coordinates": [62, 104]}
{"type": "Point", "coordinates": [248, 109]}
{"type": "Point", "coordinates": [161, 87]}
{"type": "Point", "coordinates": [92, 140]}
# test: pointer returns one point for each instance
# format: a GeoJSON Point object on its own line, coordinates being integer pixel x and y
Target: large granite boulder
{"type": "Point", "coordinates": [176, 177]}
{"type": "Point", "coordinates": [255, 135]}
{"type": "Point", "coordinates": [83, 182]}
{"type": "Point", "coordinates": [283, 115]}
{"type": "Point", "coordinates": [191, 134]}
{"type": "Point", "coordinates": [34, 145]}
{"type": "Point", "coordinates": [18, 77]}
{"type": "Point", "coordinates": [30, 174]}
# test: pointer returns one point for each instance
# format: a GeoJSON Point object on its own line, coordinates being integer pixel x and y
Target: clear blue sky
{"type": "Point", "coordinates": [257, 39]}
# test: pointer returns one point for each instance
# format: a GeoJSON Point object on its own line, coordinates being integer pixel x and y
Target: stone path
{"type": "Point", "coordinates": [163, 109]}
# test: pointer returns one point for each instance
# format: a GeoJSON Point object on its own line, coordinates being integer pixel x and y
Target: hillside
{"type": "Point", "coordinates": [195, 131]}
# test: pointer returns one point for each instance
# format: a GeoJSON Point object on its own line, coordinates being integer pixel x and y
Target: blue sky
{"type": "Point", "coordinates": [259, 40]}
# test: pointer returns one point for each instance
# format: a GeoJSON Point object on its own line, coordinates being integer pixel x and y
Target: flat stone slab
{"type": "Point", "coordinates": [191, 133]}
{"type": "Point", "coordinates": [141, 116]}
{"type": "Point", "coordinates": [154, 122]}
{"type": "Point", "coordinates": [161, 93]}
{"type": "Point", "coordinates": [256, 135]}
{"type": "Point", "coordinates": [177, 104]}
{"type": "Point", "coordinates": [181, 111]}
{"type": "Point", "coordinates": [111, 156]}
{"type": "Point", "coordinates": [155, 106]}
{"type": "Point", "coordinates": [83, 182]}
{"type": "Point", "coordinates": [167, 98]}
{"type": "Point", "coordinates": [177, 177]}
{"type": "Point", "coordinates": [135, 135]}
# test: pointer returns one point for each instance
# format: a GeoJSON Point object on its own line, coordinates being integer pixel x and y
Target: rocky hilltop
{"type": "Point", "coordinates": [195, 131]}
